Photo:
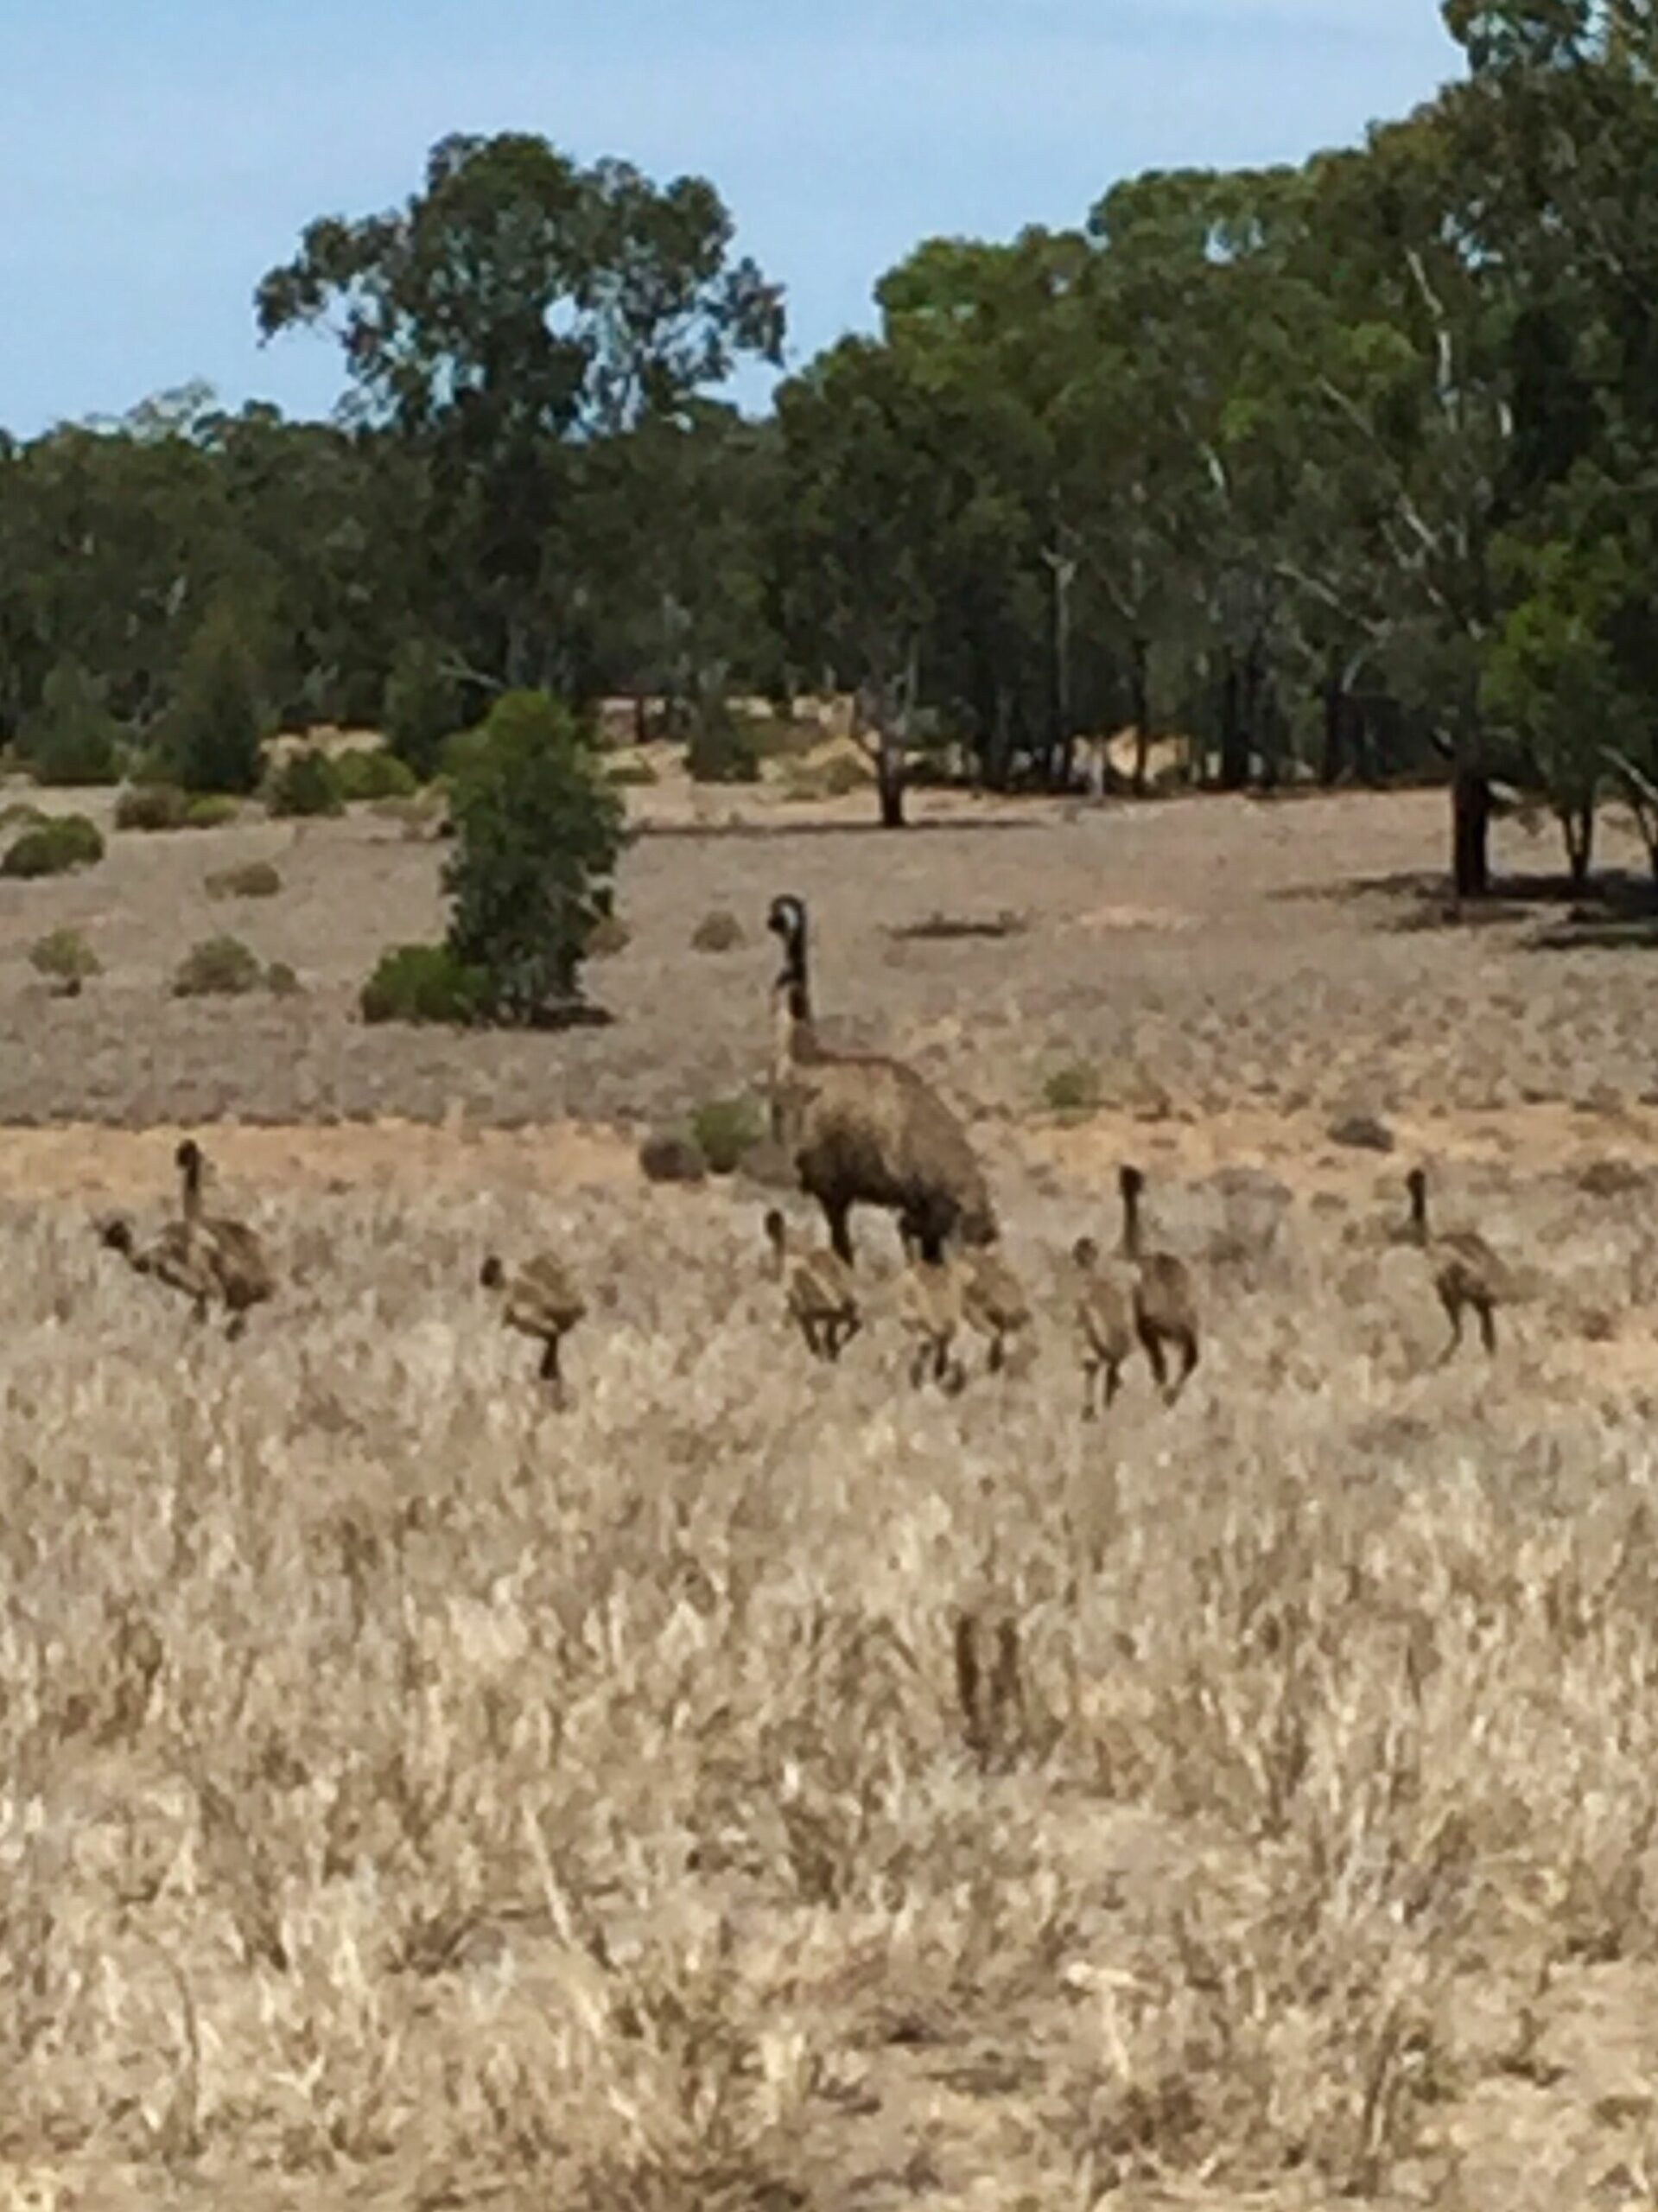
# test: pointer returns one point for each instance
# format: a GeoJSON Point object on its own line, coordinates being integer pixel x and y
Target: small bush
{"type": "Point", "coordinates": [424, 982]}
{"type": "Point", "coordinates": [219, 967]}
{"type": "Point", "coordinates": [725, 1130]}
{"type": "Point", "coordinates": [254, 879]}
{"type": "Point", "coordinates": [21, 815]}
{"type": "Point", "coordinates": [608, 936]}
{"type": "Point", "coordinates": [62, 842]}
{"type": "Point", "coordinates": [633, 775]}
{"type": "Point", "coordinates": [65, 958]}
{"type": "Point", "coordinates": [671, 1159]}
{"type": "Point", "coordinates": [723, 750]}
{"type": "Point", "coordinates": [72, 738]}
{"type": "Point", "coordinates": [420, 706]}
{"type": "Point", "coordinates": [718, 931]}
{"type": "Point", "coordinates": [1072, 1088]}
{"type": "Point", "coordinates": [307, 783]}
{"type": "Point", "coordinates": [152, 806]}
{"type": "Point", "coordinates": [212, 812]}
{"type": "Point", "coordinates": [281, 981]}
{"type": "Point", "coordinates": [211, 734]}
{"type": "Point", "coordinates": [373, 775]}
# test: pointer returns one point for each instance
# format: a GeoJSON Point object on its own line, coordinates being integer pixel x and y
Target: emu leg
{"type": "Point", "coordinates": [1188, 1362]}
{"type": "Point", "coordinates": [1487, 1325]}
{"type": "Point", "coordinates": [1113, 1381]}
{"type": "Point", "coordinates": [1453, 1306]}
{"type": "Point", "coordinates": [837, 1213]}
{"type": "Point", "coordinates": [997, 1356]}
{"type": "Point", "coordinates": [551, 1373]}
{"type": "Point", "coordinates": [1091, 1388]}
{"type": "Point", "coordinates": [1152, 1345]}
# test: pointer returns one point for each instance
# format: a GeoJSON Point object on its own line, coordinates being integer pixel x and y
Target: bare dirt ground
{"type": "Point", "coordinates": [412, 1797]}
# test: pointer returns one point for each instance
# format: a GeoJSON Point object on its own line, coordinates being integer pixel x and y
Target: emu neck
{"type": "Point", "coordinates": [192, 1192]}
{"type": "Point", "coordinates": [1418, 1231]}
{"type": "Point", "coordinates": [1131, 1225]}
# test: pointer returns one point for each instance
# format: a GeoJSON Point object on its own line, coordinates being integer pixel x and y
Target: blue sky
{"type": "Point", "coordinates": [155, 160]}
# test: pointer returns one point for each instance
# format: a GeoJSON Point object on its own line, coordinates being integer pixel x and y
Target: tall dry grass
{"type": "Point", "coordinates": [763, 1786]}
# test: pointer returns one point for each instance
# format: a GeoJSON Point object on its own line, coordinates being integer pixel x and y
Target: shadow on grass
{"type": "Point", "coordinates": [1616, 908]}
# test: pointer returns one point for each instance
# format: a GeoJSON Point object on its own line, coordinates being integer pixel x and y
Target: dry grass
{"type": "Point", "coordinates": [413, 1797]}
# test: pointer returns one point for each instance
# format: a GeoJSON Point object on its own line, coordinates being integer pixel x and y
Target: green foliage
{"type": "Point", "coordinates": [422, 706]}
{"type": "Point", "coordinates": [214, 811]}
{"type": "Point", "coordinates": [725, 1130]}
{"type": "Point", "coordinates": [723, 748]}
{"type": "Point", "coordinates": [254, 879]}
{"type": "Point", "coordinates": [425, 983]}
{"type": "Point", "coordinates": [218, 967]}
{"type": "Point", "coordinates": [836, 777]}
{"type": "Point", "coordinates": [59, 843]}
{"type": "Point", "coordinates": [65, 958]}
{"type": "Point", "coordinates": [631, 775]}
{"type": "Point", "coordinates": [538, 833]}
{"type": "Point", "coordinates": [212, 734]}
{"type": "Point", "coordinates": [152, 806]}
{"type": "Point", "coordinates": [1073, 1088]}
{"type": "Point", "coordinates": [282, 982]}
{"type": "Point", "coordinates": [608, 936]}
{"type": "Point", "coordinates": [72, 738]}
{"type": "Point", "coordinates": [307, 782]}
{"type": "Point", "coordinates": [718, 931]}
{"type": "Point", "coordinates": [365, 773]}
{"type": "Point", "coordinates": [22, 814]}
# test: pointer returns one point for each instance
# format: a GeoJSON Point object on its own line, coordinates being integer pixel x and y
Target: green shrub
{"type": "Point", "coordinates": [537, 835]}
{"type": "Point", "coordinates": [211, 733]}
{"type": "Point", "coordinates": [420, 706]}
{"type": "Point", "coordinates": [669, 1158]}
{"type": "Point", "coordinates": [72, 738]}
{"type": "Point", "coordinates": [281, 981]}
{"type": "Point", "coordinates": [722, 749]}
{"type": "Point", "coordinates": [838, 776]}
{"type": "Point", "coordinates": [363, 773]}
{"type": "Point", "coordinates": [1072, 1088]}
{"type": "Point", "coordinates": [724, 1130]}
{"type": "Point", "coordinates": [22, 814]}
{"type": "Point", "coordinates": [308, 784]}
{"type": "Point", "coordinates": [152, 806]}
{"type": "Point", "coordinates": [65, 958]}
{"type": "Point", "coordinates": [62, 842]}
{"type": "Point", "coordinates": [254, 879]}
{"type": "Point", "coordinates": [212, 812]}
{"type": "Point", "coordinates": [608, 936]}
{"type": "Point", "coordinates": [718, 931]}
{"type": "Point", "coordinates": [219, 967]}
{"type": "Point", "coordinates": [628, 775]}
{"type": "Point", "coordinates": [425, 983]}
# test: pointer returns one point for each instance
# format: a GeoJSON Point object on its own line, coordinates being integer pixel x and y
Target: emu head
{"type": "Point", "coordinates": [189, 1162]}
{"type": "Point", "coordinates": [491, 1274]}
{"type": "Point", "coordinates": [1130, 1182]}
{"type": "Point", "coordinates": [786, 920]}
{"type": "Point", "coordinates": [1416, 1184]}
{"type": "Point", "coordinates": [1086, 1253]}
{"type": "Point", "coordinates": [115, 1235]}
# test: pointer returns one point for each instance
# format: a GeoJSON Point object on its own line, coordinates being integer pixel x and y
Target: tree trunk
{"type": "Point", "coordinates": [889, 782]}
{"type": "Point", "coordinates": [1140, 681]}
{"type": "Point", "coordinates": [1336, 726]}
{"type": "Point", "coordinates": [1578, 825]}
{"type": "Point", "coordinates": [1235, 738]}
{"type": "Point", "coordinates": [1471, 825]}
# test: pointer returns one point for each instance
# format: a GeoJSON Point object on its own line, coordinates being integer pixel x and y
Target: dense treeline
{"type": "Point", "coordinates": [1349, 470]}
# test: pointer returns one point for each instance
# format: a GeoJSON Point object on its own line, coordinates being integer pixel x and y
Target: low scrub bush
{"type": "Point", "coordinates": [62, 842]}
{"type": "Point", "coordinates": [425, 983]}
{"type": "Point", "coordinates": [669, 1158]}
{"type": "Point", "coordinates": [630, 775]}
{"type": "Point", "coordinates": [307, 783]}
{"type": "Point", "coordinates": [219, 967]}
{"type": "Point", "coordinates": [1072, 1088]}
{"type": "Point", "coordinates": [152, 806]}
{"type": "Point", "coordinates": [65, 959]}
{"type": "Point", "coordinates": [254, 879]}
{"type": "Point", "coordinates": [281, 981]}
{"type": "Point", "coordinates": [718, 931]}
{"type": "Point", "coordinates": [836, 777]}
{"type": "Point", "coordinates": [608, 936]}
{"type": "Point", "coordinates": [365, 774]}
{"type": "Point", "coordinates": [212, 811]}
{"type": "Point", "coordinates": [725, 1131]}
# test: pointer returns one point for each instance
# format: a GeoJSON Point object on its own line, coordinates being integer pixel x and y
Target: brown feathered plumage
{"type": "Point", "coordinates": [1105, 1326]}
{"type": "Point", "coordinates": [820, 1292]}
{"type": "Point", "coordinates": [929, 1306]}
{"type": "Point", "coordinates": [864, 1130]}
{"type": "Point", "coordinates": [994, 1301]}
{"type": "Point", "coordinates": [538, 1299]}
{"type": "Point", "coordinates": [1164, 1302]}
{"type": "Point", "coordinates": [1468, 1276]}
{"type": "Point", "coordinates": [206, 1258]}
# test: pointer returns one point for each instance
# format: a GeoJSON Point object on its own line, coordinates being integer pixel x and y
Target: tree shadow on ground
{"type": "Point", "coordinates": [1616, 908]}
